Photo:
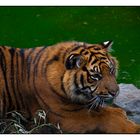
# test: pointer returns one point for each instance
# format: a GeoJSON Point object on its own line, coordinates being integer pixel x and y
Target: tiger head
{"type": "Point", "coordinates": [90, 76]}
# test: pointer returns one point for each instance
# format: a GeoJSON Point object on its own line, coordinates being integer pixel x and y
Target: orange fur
{"type": "Point", "coordinates": [52, 79]}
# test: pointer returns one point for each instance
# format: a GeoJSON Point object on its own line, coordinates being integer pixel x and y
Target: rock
{"type": "Point", "coordinates": [129, 100]}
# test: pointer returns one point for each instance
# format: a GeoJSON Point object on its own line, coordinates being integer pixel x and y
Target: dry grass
{"type": "Point", "coordinates": [16, 123]}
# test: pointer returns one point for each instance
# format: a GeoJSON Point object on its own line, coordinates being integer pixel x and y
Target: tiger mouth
{"type": "Point", "coordinates": [98, 102]}
{"type": "Point", "coordinates": [95, 101]}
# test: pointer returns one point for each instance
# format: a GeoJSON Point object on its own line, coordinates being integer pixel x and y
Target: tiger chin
{"type": "Point", "coordinates": [71, 81]}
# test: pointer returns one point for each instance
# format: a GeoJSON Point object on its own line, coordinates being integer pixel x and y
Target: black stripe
{"type": "Point", "coordinates": [21, 52]}
{"type": "Point", "coordinates": [38, 54]}
{"type": "Point", "coordinates": [94, 89]}
{"type": "Point", "coordinates": [38, 95]}
{"type": "Point", "coordinates": [88, 75]}
{"type": "Point", "coordinates": [65, 54]}
{"type": "Point", "coordinates": [4, 100]}
{"type": "Point", "coordinates": [91, 47]}
{"type": "Point", "coordinates": [28, 60]}
{"type": "Point", "coordinates": [18, 81]}
{"type": "Point", "coordinates": [102, 63]}
{"type": "Point", "coordinates": [63, 99]}
{"type": "Point", "coordinates": [44, 63]}
{"type": "Point", "coordinates": [95, 53]}
{"type": "Point", "coordinates": [55, 58]}
{"type": "Point", "coordinates": [22, 63]}
{"type": "Point", "coordinates": [85, 69]}
{"type": "Point", "coordinates": [75, 81]}
{"type": "Point", "coordinates": [90, 58]}
{"type": "Point", "coordinates": [103, 58]}
{"type": "Point", "coordinates": [82, 51]}
{"type": "Point", "coordinates": [73, 110]}
{"type": "Point", "coordinates": [76, 48]}
{"type": "Point", "coordinates": [37, 58]}
{"type": "Point", "coordinates": [82, 80]}
{"type": "Point", "coordinates": [4, 68]}
{"type": "Point", "coordinates": [12, 53]}
{"type": "Point", "coordinates": [55, 93]}
{"type": "Point", "coordinates": [4, 107]}
{"type": "Point", "coordinates": [62, 85]}
{"type": "Point", "coordinates": [94, 61]}
{"type": "Point", "coordinates": [28, 67]}
{"type": "Point", "coordinates": [69, 50]}
{"type": "Point", "coordinates": [44, 103]}
{"type": "Point", "coordinates": [57, 114]}
{"type": "Point", "coordinates": [85, 53]}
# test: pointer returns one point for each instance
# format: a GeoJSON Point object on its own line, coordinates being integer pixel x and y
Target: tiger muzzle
{"type": "Point", "coordinates": [108, 89]}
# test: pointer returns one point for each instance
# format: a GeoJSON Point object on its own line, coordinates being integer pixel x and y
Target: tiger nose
{"type": "Point", "coordinates": [114, 93]}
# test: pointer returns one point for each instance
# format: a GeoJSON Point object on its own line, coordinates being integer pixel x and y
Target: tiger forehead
{"type": "Point", "coordinates": [90, 54]}
{"type": "Point", "coordinates": [85, 49]}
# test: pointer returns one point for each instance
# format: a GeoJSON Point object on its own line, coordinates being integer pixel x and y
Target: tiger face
{"type": "Point", "coordinates": [91, 74]}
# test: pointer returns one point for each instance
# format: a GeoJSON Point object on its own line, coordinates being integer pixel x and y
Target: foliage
{"type": "Point", "coordinates": [16, 123]}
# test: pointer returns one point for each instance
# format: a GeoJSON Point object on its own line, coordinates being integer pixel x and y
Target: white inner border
{"type": "Point", "coordinates": [69, 2]}
{"type": "Point", "coordinates": [70, 137]}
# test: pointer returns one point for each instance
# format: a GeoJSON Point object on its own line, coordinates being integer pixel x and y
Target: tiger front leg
{"type": "Point", "coordinates": [114, 120]}
{"type": "Point", "coordinates": [108, 120]}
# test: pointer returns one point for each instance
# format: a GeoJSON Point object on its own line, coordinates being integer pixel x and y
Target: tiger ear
{"type": "Point", "coordinates": [74, 61]}
{"type": "Point", "coordinates": [107, 45]}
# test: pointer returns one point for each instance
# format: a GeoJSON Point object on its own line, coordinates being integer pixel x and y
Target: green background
{"type": "Point", "coordinates": [35, 26]}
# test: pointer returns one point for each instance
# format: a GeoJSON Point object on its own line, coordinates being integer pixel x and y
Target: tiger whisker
{"type": "Point", "coordinates": [91, 101]}
{"type": "Point", "coordinates": [94, 98]}
{"type": "Point", "coordinates": [97, 105]}
{"type": "Point", "coordinates": [100, 102]}
{"type": "Point", "coordinates": [94, 104]}
{"type": "Point", "coordinates": [91, 107]}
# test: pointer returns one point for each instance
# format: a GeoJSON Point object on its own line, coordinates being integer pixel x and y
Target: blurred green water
{"type": "Point", "coordinates": [35, 26]}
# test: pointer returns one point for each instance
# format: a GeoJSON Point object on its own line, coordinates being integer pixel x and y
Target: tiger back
{"type": "Point", "coordinates": [72, 81]}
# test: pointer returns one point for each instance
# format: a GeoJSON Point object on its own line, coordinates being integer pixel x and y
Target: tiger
{"type": "Point", "coordinates": [72, 81]}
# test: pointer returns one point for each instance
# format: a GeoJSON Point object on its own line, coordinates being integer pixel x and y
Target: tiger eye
{"type": "Point", "coordinates": [96, 77]}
